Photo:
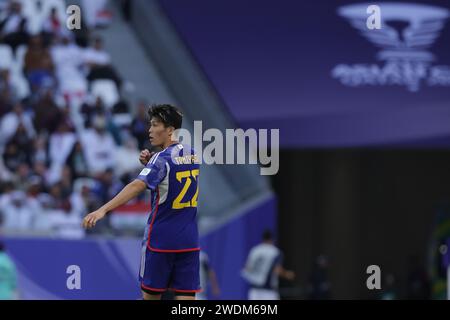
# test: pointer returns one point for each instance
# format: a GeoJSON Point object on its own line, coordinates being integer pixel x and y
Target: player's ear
{"type": "Point", "coordinates": [171, 130]}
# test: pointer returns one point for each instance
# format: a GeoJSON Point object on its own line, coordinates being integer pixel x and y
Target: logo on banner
{"type": "Point", "coordinates": [406, 34]}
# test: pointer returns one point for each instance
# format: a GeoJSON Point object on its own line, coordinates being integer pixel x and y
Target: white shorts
{"type": "Point", "coordinates": [263, 294]}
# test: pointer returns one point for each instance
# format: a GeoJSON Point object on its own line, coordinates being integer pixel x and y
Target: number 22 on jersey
{"type": "Point", "coordinates": [186, 177]}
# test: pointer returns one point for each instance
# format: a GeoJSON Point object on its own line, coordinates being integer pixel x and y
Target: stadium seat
{"type": "Point", "coordinates": [122, 119]}
{"type": "Point", "coordinates": [30, 10]}
{"type": "Point", "coordinates": [107, 90]}
{"type": "Point", "coordinates": [20, 83]}
{"type": "Point", "coordinates": [6, 56]}
{"type": "Point", "coordinates": [20, 55]}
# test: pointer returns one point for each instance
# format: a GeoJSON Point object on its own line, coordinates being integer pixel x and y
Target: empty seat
{"type": "Point", "coordinates": [6, 56]}
{"type": "Point", "coordinates": [122, 119]}
{"type": "Point", "coordinates": [20, 55]}
{"type": "Point", "coordinates": [106, 90]}
{"type": "Point", "coordinates": [30, 10]}
{"type": "Point", "coordinates": [21, 84]}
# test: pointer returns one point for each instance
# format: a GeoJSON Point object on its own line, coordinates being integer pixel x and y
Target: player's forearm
{"type": "Point", "coordinates": [130, 191]}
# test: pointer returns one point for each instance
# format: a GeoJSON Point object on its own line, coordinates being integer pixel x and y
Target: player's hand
{"type": "Point", "coordinates": [289, 275]}
{"type": "Point", "coordinates": [91, 219]}
{"type": "Point", "coordinates": [145, 156]}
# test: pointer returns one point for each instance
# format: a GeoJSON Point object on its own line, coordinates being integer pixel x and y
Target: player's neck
{"type": "Point", "coordinates": [169, 143]}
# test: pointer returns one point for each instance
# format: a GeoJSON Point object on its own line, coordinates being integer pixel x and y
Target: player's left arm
{"type": "Point", "coordinates": [131, 190]}
{"type": "Point", "coordinates": [281, 271]}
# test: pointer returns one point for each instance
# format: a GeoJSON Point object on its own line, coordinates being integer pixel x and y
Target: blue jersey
{"type": "Point", "coordinates": [172, 176]}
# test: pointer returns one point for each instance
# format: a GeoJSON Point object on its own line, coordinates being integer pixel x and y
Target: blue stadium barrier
{"type": "Point", "coordinates": [109, 267]}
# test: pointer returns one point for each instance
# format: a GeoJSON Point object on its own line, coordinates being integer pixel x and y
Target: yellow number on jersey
{"type": "Point", "coordinates": [177, 204]}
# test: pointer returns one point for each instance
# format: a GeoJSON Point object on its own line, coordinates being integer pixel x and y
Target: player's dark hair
{"type": "Point", "coordinates": [267, 235]}
{"type": "Point", "coordinates": [169, 115]}
{"type": "Point", "coordinates": [2, 246]}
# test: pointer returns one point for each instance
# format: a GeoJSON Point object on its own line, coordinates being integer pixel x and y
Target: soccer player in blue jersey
{"type": "Point", "coordinates": [170, 249]}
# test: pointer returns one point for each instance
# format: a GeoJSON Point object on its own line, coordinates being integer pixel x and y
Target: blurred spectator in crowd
{"type": "Point", "coordinates": [22, 176]}
{"type": "Point", "coordinates": [83, 199]}
{"type": "Point", "coordinates": [40, 169]}
{"type": "Point", "coordinates": [6, 188]}
{"type": "Point", "coordinates": [23, 141]}
{"type": "Point", "coordinates": [34, 187]}
{"type": "Point", "coordinates": [8, 276]}
{"type": "Point", "coordinates": [60, 146]}
{"type": "Point", "coordinates": [59, 194]}
{"type": "Point", "coordinates": [6, 101]}
{"type": "Point", "coordinates": [47, 114]}
{"type": "Point", "coordinates": [38, 64]}
{"type": "Point", "coordinates": [16, 155]}
{"type": "Point", "coordinates": [262, 269]}
{"type": "Point", "coordinates": [107, 186]}
{"type": "Point", "coordinates": [207, 278]}
{"type": "Point", "coordinates": [121, 107]}
{"type": "Point", "coordinates": [126, 156]}
{"type": "Point", "coordinates": [95, 13]}
{"type": "Point", "coordinates": [66, 223]}
{"type": "Point", "coordinates": [43, 220]}
{"type": "Point", "coordinates": [319, 285]}
{"type": "Point", "coordinates": [7, 91]}
{"type": "Point", "coordinates": [418, 283]}
{"type": "Point", "coordinates": [5, 174]}
{"type": "Point", "coordinates": [40, 153]}
{"type": "Point", "coordinates": [53, 27]}
{"type": "Point", "coordinates": [121, 114]}
{"type": "Point", "coordinates": [90, 110]}
{"type": "Point", "coordinates": [17, 215]}
{"type": "Point", "coordinates": [77, 161]}
{"type": "Point", "coordinates": [99, 146]}
{"type": "Point", "coordinates": [10, 123]}
{"type": "Point", "coordinates": [56, 192]}
{"type": "Point", "coordinates": [66, 180]}
{"type": "Point", "coordinates": [61, 143]}
{"type": "Point", "coordinates": [139, 125]}
{"type": "Point", "coordinates": [67, 57]}
{"type": "Point", "coordinates": [99, 63]}
{"type": "Point", "coordinates": [13, 28]}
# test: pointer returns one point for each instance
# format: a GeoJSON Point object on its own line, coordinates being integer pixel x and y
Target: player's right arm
{"type": "Point", "coordinates": [131, 190]}
{"type": "Point", "coordinates": [149, 178]}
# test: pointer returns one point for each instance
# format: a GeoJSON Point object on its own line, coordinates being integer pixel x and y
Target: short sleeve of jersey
{"type": "Point", "coordinates": [154, 172]}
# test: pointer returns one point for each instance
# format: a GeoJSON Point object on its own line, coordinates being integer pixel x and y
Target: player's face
{"type": "Point", "coordinates": [158, 133]}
